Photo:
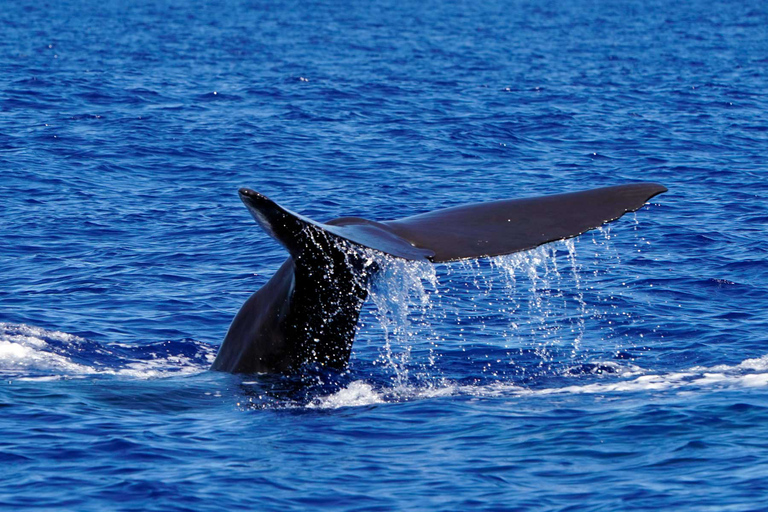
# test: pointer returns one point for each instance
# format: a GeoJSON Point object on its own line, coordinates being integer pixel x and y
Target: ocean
{"type": "Point", "coordinates": [626, 369]}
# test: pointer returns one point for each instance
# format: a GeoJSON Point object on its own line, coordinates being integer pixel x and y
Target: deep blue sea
{"type": "Point", "coordinates": [626, 369]}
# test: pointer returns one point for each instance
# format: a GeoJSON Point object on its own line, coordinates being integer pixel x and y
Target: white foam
{"type": "Point", "coordinates": [22, 346]}
{"type": "Point", "coordinates": [356, 394]}
{"type": "Point", "coordinates": [360, 393]}
{"type": "Point", "coordinates": [757, 364]}
{"type": "Point", "coordinates": [30, 334]}
{"type": "Point", "coordinates": [159, 368]}
{"type": "Point", "coordinates": [25, 352]}
{"type": "Point", "coordinates": [747, 374]}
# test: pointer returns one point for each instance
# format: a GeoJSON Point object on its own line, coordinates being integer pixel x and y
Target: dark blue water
{"type": "Point", "coordinates": [627, 369]}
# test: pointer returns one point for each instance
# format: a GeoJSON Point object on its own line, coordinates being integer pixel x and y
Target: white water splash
{"type": "Point", "coordinates": [542, 297]}
{"type": "Point", "coordinates": [528, 300]}
{"type": "Point", "coordinates": [402, 292]}
{"type": "Point", "coordinates": [356, 394]}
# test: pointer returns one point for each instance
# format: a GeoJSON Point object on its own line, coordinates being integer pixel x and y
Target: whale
{"type": "Point", "coordinates": [306, 314]}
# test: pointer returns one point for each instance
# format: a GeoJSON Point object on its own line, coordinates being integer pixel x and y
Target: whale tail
{"type": "Point", "coordinates": [307, 313]}
{"type": "Point", "coordinates": [471, 231]}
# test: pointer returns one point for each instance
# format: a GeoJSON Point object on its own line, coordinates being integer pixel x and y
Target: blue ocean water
{"type": "Point", "coordinates": [625, 369]}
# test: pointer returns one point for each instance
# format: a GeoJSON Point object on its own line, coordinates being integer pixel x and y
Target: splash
{"type": "Point", "coordinates": [401, 292]}
{"type": "Point", "coordinates": [356, 394]}
{"type": "Point", "coordinates": [533, 300]}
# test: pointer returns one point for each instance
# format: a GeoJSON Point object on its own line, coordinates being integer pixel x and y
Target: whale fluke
{"type": "Point", "coordinates": [504, 227]}
{"type": "Point", "coordinates": [307, 313]}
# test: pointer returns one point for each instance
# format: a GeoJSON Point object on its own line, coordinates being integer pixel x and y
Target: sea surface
{"type": "Point", "coordinates": [626, 369]}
